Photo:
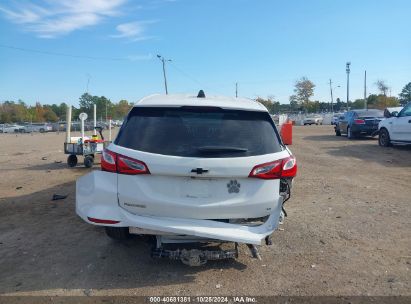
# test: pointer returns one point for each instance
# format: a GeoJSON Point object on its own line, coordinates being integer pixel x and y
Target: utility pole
{"type": "Point", "coordinates": [88, 82]}
{"type": "Point", "coordinates": [236, 89]}
{"type": "Point", "coordinates": [163, 60]}
{"type": "Point", "coordinates": [347, 69]}
{"type": "Point", "coordinates": [332, 100]}
{"type": "Point", "coordinates": [365, 90]}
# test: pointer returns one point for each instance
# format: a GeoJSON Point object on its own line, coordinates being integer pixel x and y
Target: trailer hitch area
{"type": "Point", "coordinates": [254, 251]}
{"type": "Point", "coordinates": [194, 257]}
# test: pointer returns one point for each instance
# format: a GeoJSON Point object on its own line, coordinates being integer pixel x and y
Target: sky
{"type": "Point", "coordinates": [54, 51]}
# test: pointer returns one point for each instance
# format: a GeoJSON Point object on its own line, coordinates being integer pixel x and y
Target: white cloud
{"type": "Point", "coordinates": [56, 18]}
{"type": "Point", "coordinates": [133, 31]}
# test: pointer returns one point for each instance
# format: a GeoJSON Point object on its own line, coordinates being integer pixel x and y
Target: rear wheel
{"type": "Point", "coordinates": [384, 138]}
{"type": "Point", "coordinates": [337, 132]}
{"type": "Point", "coordinates": [118, 233]}
{"type": "Point", "coordinates": [88, 161]}
{"type": "Point", "coordinates": [72, 160]}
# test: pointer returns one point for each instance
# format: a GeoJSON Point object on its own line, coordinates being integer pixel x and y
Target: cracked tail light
{"type": "Point", "coordinates": [282, 168]}
{"type": "Point", "coordinates": [117, 163]}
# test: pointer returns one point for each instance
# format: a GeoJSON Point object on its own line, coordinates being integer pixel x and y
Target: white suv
{"type": "Point", "coordinates": [396, 129]}
{"type": "Point", "coordinates": [186, 168]}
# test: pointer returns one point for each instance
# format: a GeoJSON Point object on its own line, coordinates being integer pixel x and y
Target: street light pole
{"type": "Point", "coordinates": [332, 99]}
{"type": "Point", "coordinates": [365, 90]}
{"type": "Point", "coordinates": [163, 60]}
{"type": "Point", "coordinates": [347, 69]}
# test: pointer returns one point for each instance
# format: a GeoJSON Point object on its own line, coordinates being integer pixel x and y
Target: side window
{"type": "Point", "coordinates": [406, 111]}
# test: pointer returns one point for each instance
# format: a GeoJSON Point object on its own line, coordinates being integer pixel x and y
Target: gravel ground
{"type": "Point", "coordinates": [347, 231]}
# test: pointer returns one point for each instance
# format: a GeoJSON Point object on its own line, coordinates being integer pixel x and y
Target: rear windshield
{"type": "Point", "coordinates": [370, 113]}
{"type": "Point", "coordinates": [199, 132]}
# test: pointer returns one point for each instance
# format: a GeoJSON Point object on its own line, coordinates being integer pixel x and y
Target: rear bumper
{"type": "Point", "coordinates": [364, 129]}
{"type": "Point", "coordinates": [96, 197]}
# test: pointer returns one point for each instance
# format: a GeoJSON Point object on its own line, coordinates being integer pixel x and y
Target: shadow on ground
{"type": "Point", "coordinates": [44, 245]}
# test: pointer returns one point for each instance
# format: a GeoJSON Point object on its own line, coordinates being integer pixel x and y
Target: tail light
{"type": "Point", "coordinates": [113, 162]}
{"type": "Point", "coordinates": [359, 121]}
{"type": "Point", "coordinates": [282, 168]}
{"type": "Point", "coordinates": [127, 165]}
{"type": "Point", "coordinates": [108, 161]}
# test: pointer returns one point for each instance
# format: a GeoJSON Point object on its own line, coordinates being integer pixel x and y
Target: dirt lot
{"type": "Point", "coordinates": [347, 232]}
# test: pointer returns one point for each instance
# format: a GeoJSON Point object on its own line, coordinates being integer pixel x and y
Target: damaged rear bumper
{"type": "Point", "coordinates": [96, 197]}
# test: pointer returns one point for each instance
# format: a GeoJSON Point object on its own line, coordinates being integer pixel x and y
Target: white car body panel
{"type": "Point", "coordinates": [96, 198]}
{"type": "Point", "coordinates": [172, 190]}
{"type": "Point", "coordinates": [179, 100]}
{"type": "Point", "coordinates": [399, 128]}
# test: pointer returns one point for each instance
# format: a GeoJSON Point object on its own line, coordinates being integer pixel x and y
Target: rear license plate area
{"type": "Point", "coordinates": [195, 188]}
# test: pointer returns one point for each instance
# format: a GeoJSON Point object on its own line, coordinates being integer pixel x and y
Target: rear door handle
{"type": "Point", "coordinates": [409, 121]}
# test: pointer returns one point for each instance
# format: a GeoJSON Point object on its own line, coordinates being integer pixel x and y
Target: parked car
{"type": "Point", "coordinates": [38, 127]}
{"type": "Point", "coordinates": [336, 117]}
{"type": "Point", "coordinates": [313, 120]}
{"type": "Point", "coordinates": [396, 129]}
{"type": "Point", "coordinates": [187, 169]}
{"type": "Point", "coordinates": [8, 128]}
{"type": "Point", "coordinates": [357, 123]}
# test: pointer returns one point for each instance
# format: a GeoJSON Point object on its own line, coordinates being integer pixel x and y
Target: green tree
{"type": "Point", "coordinates": [381, 101]}
{"type": "Point", "coordinates": [294, 103]}
{"type": "Point", "coordinates": [304, 90]}
{"type": "Point", "coordinates": [49, 115]}
{"type": "Point", "coordinates": [121, 109]}
{"type": "Point", "coordinates": [405, 95]}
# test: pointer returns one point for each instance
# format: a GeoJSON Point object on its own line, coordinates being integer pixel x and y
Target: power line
{"type": "Point", "coordinates": [61, 54]}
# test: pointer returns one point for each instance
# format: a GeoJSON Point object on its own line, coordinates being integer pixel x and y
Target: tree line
{"type": "Point", "coordinates": [301, 101]}
{"type": "Point", "coordinates": [15, 112]}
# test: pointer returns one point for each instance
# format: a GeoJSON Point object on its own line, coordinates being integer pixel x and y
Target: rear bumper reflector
{"type": "Point", "coordinates": [100, 221]}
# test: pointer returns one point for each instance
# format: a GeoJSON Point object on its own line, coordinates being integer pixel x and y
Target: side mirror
{"type": "Point", "coordinates": [394, 114]}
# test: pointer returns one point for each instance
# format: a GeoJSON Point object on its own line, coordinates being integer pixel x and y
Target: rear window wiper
{"type": "Point", "coordinates": [221, 149]}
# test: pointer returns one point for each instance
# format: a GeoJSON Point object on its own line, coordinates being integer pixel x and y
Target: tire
{"type": "Point", "coordinates": [350, 135]}
{"type": "Point", "coordinates": [337, 132]}
{"type": "Point", "coordinates": [384, 138]}
{"type": "Point", "coordinates": [118, 233]}
{"type": "Point", "coordinates": [42, 130]}
{"type": "Point", "coordinates": [72, 160]}
{"type": "Point", "coordinates": [88, 161]}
